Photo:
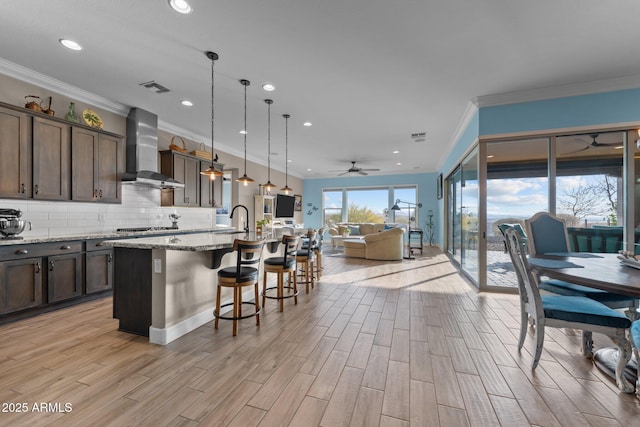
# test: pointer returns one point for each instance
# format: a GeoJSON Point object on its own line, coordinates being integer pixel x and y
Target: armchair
{"type": "Point", "coordinates": [386, 245]}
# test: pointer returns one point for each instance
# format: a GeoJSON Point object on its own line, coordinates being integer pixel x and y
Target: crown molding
{"type": "Point", "coordinates": [28, 75]}
{"type": "Point", "coordinates": [563, 91]}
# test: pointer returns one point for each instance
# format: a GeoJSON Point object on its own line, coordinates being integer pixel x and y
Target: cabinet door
{"type": "Point", "coordinates": [64, 276]}
{"type": "Point", "coordinates": [15, 154]}
{"type": "Point", "coordinates": [20, 284]}
{"type": "Point", "coordinates": [83, 165]}
{"type": "Point", "coordinates": [110, 165]}
{"type": "Point", "coordinates": [187, 171]}
{"type": "Point", "coordinates": [206, 185]}
{"type": "Point", "coordinates": [99, 271]}
{"type": "Point", "coordinates": [51, 160]}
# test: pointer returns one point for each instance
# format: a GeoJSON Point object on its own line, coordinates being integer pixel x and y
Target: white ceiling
{"type": "Point", "coordinates": [366, 73]}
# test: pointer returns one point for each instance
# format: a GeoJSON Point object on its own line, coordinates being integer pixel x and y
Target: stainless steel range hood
{"type": "Point", "coordinates": [142, 152]}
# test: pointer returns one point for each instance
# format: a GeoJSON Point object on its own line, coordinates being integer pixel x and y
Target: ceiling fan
{"type": "Point", "coordinates": [595, 143]}
{"type": "Point", "coordinates": [354, 169]}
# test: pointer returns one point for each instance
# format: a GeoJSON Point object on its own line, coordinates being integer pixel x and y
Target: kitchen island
{"type": "Point", "coordinates": [165, 287]}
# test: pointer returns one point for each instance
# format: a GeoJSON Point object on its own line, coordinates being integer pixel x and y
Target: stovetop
{"type": "Point", "coordinates": [138, 229]}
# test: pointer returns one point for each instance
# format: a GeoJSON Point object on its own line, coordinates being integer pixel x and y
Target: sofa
{"type": "Point", "coordinates": [387, 245]}
{"type": "Point", "coordinates": [357, 229]}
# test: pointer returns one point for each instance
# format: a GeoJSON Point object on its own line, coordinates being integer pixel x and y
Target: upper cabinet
{"type": "Point", "coordinates": [198, 189]}
{"type": "Point", "coordinates": [51, 159]}
{"type": "Point", "coordinates": [45, 158]}
{"type": "Point", "coordinates": [15, 154]}
{"type": "Point", "coordinates": [97, 164]}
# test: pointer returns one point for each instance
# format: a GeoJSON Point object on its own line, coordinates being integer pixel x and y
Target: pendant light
{"type": "Point", "coordinates": [269, 186]}
{"type": "Point", "coordinates": [244, 178]}
{"type": "Point", "coordinates": [211, 171]}
{"type": "Point", "coordinates": [286, 188]}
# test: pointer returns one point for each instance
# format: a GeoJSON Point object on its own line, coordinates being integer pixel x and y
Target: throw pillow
{"type": "Point", "coordinates": [355, 230]}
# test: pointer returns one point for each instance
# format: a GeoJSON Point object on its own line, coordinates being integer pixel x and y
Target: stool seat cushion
{"type": "Point", "coordinates": [246, 273]}
{"type": "Point", "coordinates": [582, 310]}
{"type": "Point", "coordinates": [279, 261]}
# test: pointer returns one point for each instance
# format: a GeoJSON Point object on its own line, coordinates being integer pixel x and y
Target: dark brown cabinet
{"type": "Point", "coordinates": [210, 190]}
{"type": "Point", "coordinates": [15, 154]}
{"type": "Point", "coordinates": [97, 163]}
{"type": "Point", "coordinates": [20, 284]}
{"type": "Point", "coordinates": [45, 158]}
{"type": "Point", "coordinates": [186, 169]}
{"type": "Point", "coordinates": [99, 270]}
{"type": "Point", "coordinates": [51, 160]}
{"type": "Point", "coordinates": [64, 275]}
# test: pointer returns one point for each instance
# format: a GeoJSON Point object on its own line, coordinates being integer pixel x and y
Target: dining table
{"type": "Point", "coordinates": [603, 271]}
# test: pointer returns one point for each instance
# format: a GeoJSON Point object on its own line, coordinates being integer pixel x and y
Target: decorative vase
{"type": "Point", "coordinates": [71, 115]}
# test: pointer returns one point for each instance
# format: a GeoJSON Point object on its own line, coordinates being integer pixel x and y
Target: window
{"type": "Point", "coordinates": [373, 205]}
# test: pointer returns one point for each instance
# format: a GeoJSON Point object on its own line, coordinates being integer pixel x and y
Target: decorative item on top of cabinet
{"type": "Point", "coordinates": [71, 115]}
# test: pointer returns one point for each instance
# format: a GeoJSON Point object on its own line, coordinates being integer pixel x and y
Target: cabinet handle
{"type": "Point", "coordinates": [36, 187]}
{"type": "Point", "coordinates": [23, 188]}
{"type": "Point", "coordinates": [95, 193]}
{"type": "Point", "coordinates": [51, 265]}
{"type": "Point", "coordinates": [65, 247]}
{"type": "Point", "coordinates": [38, 267]}
{"type": "Point", "coordinates": [22, 252]}
{"type": "Point", "coordinates": [100, 193]}
{"type": "Point", "coordinates": [109, 258]}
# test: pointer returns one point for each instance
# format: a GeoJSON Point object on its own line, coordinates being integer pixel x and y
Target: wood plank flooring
{"type": "Point", "coordinates": [374, 344]}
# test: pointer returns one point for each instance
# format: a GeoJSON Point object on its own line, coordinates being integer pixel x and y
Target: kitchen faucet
{"type": "Point", "coordinates": [246, 224]}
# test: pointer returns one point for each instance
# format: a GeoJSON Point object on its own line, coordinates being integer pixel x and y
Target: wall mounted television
{"type": "Point", "coordinates": [285, 206]}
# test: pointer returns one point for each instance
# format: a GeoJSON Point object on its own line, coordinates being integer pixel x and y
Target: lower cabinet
{"type": "Point", "coordinates": [20, 284]}
{"type": "Point", "coordinates": [99, 268]}
{"type": "Point", "coordinates": [64, 278]}
{"type": "Point", "coordinates": [38, 276]}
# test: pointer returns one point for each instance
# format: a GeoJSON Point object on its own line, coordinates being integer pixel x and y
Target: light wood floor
{"type": "Point", "coordinates": [375, 343]}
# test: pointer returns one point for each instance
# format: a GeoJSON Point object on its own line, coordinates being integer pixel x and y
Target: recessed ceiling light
{"type": "Point", "coordinates": [289, 161]}
{"type": "Point", "coordinates": [70, 44]}
{"type": "Point", "coordinates": [268, 87]}
{"type": "Point", "coordinates": [307, 124]}
{"type": "Point", "coordinates": [186, 103]}
{"type": "Point", "coordinates": [309, 170]}
{"type": "Point", "coordinates": [181, 6]}
{"type": "Point", "coordinates": [396, 152]}
{"type": "Point", "coordinates": [398, 164]}
{"type": "Point", "coordinates": [490, 156]}
{"type": "Point", "coordinates": [243, 132]}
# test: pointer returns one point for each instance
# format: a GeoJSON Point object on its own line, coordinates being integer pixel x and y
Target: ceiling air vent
{"type": "Point", "coordinates": [419, 137]}
{"type": "Point", "coordinates": [155, 87]}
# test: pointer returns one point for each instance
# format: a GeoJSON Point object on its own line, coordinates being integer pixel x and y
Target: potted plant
{"type": "Point", "coordinates": [260, 224]}
{"type": "Point", "coordinates": [346, 232]}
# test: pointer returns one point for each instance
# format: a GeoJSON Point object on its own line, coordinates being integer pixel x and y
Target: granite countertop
{"type": "Point", "coordinates": [111, 235]}
{"type": "Point", "coordinates": [204, 241]}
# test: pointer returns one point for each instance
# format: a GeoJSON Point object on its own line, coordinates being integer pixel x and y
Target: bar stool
{"type": "Point", "coordinates": [305, 258]}
{"type": "Point", "coordinates": [243, 274]}
{"type": "Point", "coordinates": [281, 265]}
{"type": "Point", "coordinates": [316, 246]}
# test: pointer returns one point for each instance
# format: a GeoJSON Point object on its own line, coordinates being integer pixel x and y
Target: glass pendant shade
{"type": "Point", "coordinates": [244, 179]}
{"type": "Point", "coordinates": [211, 171]}
{"type": "Point", "coordinates": [286, 188]}
{"type": "Point", "coordinates": [269, 185]}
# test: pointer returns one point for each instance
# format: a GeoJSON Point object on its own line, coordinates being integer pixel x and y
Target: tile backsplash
{"type": "Point", "coordinates": [140, 208]}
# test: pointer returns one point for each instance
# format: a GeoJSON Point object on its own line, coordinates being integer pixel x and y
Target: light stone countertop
{"type": "Point", "coordinates": [204, 241]}
{"type": "Point", "coordinates": [108, 235]}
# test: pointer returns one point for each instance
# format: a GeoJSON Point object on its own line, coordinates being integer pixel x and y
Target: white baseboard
{"type": "Point", "coordinates": [164, 336]}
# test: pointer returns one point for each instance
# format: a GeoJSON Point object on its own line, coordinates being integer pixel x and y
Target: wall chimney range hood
{"type": "Point", "coordinates": [142, 152]}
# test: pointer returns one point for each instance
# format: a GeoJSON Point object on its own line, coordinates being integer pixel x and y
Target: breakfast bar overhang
{"type": "Point", "coordinates": [164, 287]}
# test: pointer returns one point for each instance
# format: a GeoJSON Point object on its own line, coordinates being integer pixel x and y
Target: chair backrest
{"type": "Point", "coordinates": [319, 240]}
{"type": "Point", "coordinates": [290, 247]}
{"type": "Point", "coordinates": [311, 237]}
{"type": "Point", "coordinates": [249, 253]}
{"type": "Point", "coordinates": [527, 281]}
{"type": "Point", "coordinates": [546, 233]}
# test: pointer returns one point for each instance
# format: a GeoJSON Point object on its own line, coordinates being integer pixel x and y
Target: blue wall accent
{"type": "Point", "coordinates": [425, 182]}
{"type": "Point", "coordinates": [583, 110]}
{"type": "Point", "coordinates": [468, 137]}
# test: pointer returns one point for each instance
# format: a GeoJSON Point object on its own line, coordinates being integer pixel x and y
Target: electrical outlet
{"type": "Point", "coordinates": [157, 265]}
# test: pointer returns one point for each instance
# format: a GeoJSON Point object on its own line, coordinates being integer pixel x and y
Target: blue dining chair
{"type": "Point", "coordinates": [547, 233]}
{"type": "Point", "coordinates": [560, 311]}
